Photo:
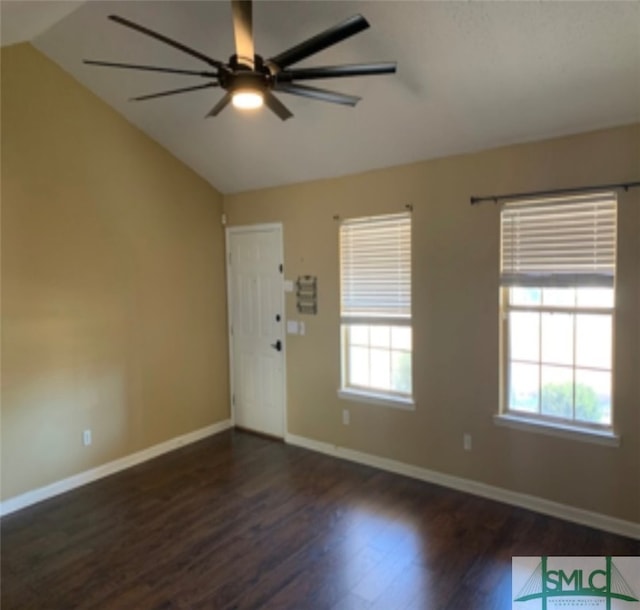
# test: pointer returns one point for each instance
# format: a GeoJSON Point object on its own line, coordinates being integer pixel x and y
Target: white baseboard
{"type": "Point", "coordinates": [539, 505]}
{"type": "Point", "coordinates": [88, 476]}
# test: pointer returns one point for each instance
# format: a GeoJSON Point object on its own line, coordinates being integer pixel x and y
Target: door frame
{"type": "Point", "coordinates": [255, 228]}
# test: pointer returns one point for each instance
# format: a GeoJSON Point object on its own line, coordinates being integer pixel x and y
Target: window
{"type": "Point", "coordinates": [557, 296]}
{"type": "Point", "coordinates": [375, 278]}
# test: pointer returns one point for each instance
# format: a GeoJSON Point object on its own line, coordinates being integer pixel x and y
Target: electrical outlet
{"type": "Point", "coordinates": [466, 441]}
{"type": "Point", "coordinates": [86, 438]}
{"type": "Point", "coordinates": [346, 417]}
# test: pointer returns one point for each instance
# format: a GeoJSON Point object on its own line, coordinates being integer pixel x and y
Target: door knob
{"type": "Point", "coordinates": [277, 345]}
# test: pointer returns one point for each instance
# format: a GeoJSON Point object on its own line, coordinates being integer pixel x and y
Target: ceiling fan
{"type": "Point", "coordinates": [249, 80]}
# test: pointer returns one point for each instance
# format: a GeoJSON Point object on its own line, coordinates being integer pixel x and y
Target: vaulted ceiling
{"type": "Point", "coordinates": [471, 76]}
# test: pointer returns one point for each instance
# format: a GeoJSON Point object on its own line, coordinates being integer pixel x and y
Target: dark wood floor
{"type": "Point", "coordinates": [237, 521]}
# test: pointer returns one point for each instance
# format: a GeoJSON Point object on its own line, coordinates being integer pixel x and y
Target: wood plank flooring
{"type": "Point", "coordinates": [239, 521]}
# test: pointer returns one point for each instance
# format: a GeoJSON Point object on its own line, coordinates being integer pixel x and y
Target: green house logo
{"type": "Point", "coordinates": [573, 579]}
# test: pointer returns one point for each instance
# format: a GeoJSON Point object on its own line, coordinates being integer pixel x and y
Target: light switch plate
{"type": "Point", "coordinates": [292, 327]}
{"type": "Point", "coordinates": [288, 285]}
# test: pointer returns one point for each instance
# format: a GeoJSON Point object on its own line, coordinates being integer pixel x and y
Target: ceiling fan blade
{"type": "Point", "coordinates": [318, 94]}
{"type": "Point", "coordinates": [113, 64]}
{"type": "Point", "coordinates": [388, 67]}
{"type": "Point", "coordinates": [276, 106]}
{"type": "Point", "coordinates": [169, 41]}
{"type": "Point", "coordinates": [243, 32]}
{"type": "Point", "coordinates": [321, 41]}
{"type": "Point", "coordinates": [151, 96]}
{"type": "Point", "coordinates": [220, 106]}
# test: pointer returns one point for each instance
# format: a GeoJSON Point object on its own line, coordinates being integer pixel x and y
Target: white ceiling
{"type": "Point", "coordinates": [471, 76]}
{"type": "Point", "coordinates": [23, 20]}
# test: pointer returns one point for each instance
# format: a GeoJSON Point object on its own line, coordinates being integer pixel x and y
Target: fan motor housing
{"type": "Point", "coordinates": [242, 77]}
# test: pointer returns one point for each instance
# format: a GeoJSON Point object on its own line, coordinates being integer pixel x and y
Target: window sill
{"type": "Point", "coordinates": [587, 435]}
{"type": "Point", "coordinates": [383, 400]}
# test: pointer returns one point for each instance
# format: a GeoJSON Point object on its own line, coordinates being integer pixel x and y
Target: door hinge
{"type": "Point", "coordinates": [233, 400]}
{"type": "Point", "coordinates": [280, 267]}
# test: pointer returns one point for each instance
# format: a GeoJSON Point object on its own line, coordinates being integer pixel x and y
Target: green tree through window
{"type": "Point", "coordinates": [557, 400]}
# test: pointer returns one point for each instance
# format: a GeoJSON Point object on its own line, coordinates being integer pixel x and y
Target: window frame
{"type": "Point", "coordinates": [367, 393]}
{"type": "Point", "coordinates": [576, 429]}
{"type": "Point", "coordinates": [550, 420]}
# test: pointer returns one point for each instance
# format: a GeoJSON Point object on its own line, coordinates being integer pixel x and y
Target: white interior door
{"type": "Point", "coordinates": [256, 327]}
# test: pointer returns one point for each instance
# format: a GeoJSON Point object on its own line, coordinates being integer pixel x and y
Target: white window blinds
{"type": "Point", "coordinates": [559, 242]}
{"type": "Point", "coordinates": [375, 266]}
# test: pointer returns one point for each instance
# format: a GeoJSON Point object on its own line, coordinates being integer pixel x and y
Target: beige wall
{"type": "Point", "coordinates": [113, 291]}
{"type": "Point", "coordinates": [455, 309]}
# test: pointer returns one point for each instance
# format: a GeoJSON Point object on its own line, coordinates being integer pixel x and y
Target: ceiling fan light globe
{"type": "Point", "coordinates": [247, 99]}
